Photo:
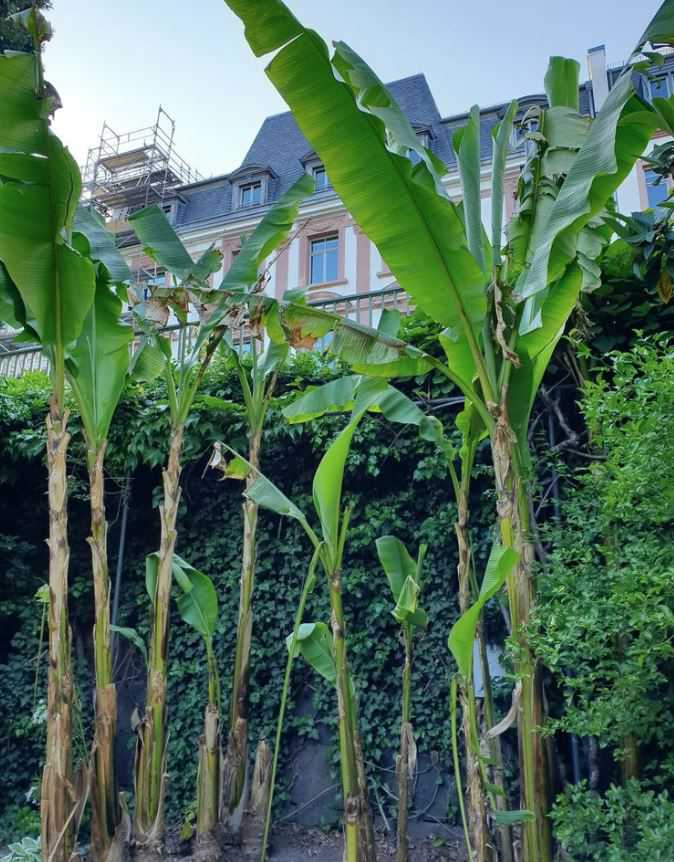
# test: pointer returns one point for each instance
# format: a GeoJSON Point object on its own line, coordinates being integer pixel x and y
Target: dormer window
{"type": "Point", "coordinates": [661, 86]}
{"type": "Point", "coordinates": [424, 139]}
{"type": "Point", "coordinates": [252, 185]}
{"type": "Point", "coordinates": [320, 178]}
{"type": "Point", "coordinates": [316, 170]}
{"type": "Point", "coordinates": [250, 194]}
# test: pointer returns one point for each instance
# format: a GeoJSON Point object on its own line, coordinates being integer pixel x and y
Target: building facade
{"type": "Point", "coordinates": [328, 254]}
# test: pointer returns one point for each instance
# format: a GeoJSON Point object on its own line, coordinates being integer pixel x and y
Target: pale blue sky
{"type": "Point", "coordinates": [117, 60]}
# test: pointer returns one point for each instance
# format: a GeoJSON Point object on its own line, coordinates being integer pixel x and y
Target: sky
{"type": "Point", "coordinates": [118, 61]}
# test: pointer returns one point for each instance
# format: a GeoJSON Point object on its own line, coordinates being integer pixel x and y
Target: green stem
{"type": "Point", "coordinates": [307, 587]}
{"type": "Point", "coordinates": [456, 763]}
{"type": "Point", "coordinates": [403, 770]}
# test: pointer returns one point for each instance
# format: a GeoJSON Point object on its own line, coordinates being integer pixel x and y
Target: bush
{"type": "Point", "coordinates": [26, 850]}
{"type": "Point", "coordinates": [604, 622]}
{"type": "Point", "coordinates": [626, 824]}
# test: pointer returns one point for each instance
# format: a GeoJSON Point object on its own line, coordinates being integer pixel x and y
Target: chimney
{"type": "Point", "coordinates": [596, 64]}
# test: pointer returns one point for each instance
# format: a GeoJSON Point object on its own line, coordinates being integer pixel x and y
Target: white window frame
{"type": "Point", "coordinates": [334, 237]}
{"type": "Point", "coordinates": [320, 169]}
{"type": "Point", "coordinates": [243, 186]}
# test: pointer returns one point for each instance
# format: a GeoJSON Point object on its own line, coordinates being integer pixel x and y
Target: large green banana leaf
{"type": "Point", "coordinates": [101, 243]}
{"type": "Point", "coordinates": [661, 28]}
{"type": "Point", "coordinates": [342, 395]}
{"type": "Point", "coordinates": [98, 363]}
{"type": "Point", "coordinates": [38, 195]}
{"type": "Point", "coordinates": [162, 244]}
{"type": "Point", "coordinates": [501, 562]}
{"type": "Point", "coordinates": [616, 138]}
{"type": "Point", "coordinates": [363, 139]}
{"type": "Point", "coordinates": [501, 142]}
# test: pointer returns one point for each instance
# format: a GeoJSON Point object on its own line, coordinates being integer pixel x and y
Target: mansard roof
{"type": "Point", "coordinates": [281, 151]}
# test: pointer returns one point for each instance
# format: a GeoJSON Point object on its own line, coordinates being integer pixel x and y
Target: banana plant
{"type": "Point", "coordinates": [503, 313]}
{"type": "Point", "coordinates": [217, 308]}
{"type": "Point", "coordinates": [96, 370]}
{"type": "Point", "coordinates": [342, 395]}
{"type": "Point", "coordinates": [404, 577]}
{"type": "Point", "coordinates": [339, 396]}
{"type": "Point", "coordinates": [257, 383]}
{"type": "Point", "coordinates": [197, 604]}
{"type": "Point", "coordinates": [50, 287]}
{"type": "Point", "coordinates": [325, 647]}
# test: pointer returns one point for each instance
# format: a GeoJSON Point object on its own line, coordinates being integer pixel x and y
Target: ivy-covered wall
{"type": "Point", "coordinates": [395, 484]}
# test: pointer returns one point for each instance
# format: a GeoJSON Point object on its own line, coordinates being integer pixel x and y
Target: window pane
{"type": "Point", "coordinates": [656, 193]}
{"type": "Point", "coordinates": [320, 179]}
{"type": "Point", "coordinates": [316, 275]}
{"type": "Point", "coordinates": [251, 194]}
{"type": "Point", "coordinates": [331, 264]}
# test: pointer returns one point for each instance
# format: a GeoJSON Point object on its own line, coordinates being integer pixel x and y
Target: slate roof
{"type": "Point", "coordinates": [280, 146]}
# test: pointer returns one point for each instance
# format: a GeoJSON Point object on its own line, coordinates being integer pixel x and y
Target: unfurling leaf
{"type": "Point", "coordinates": [234, 468]}
{"type": "Point", "coordinates": [396, 562]}
{"type": "Point", "coordinates": [406, 605]}
{"type": "Point", "coordinates": [198, 604]}
{"type": "Point", "coordinates": [314, 644]}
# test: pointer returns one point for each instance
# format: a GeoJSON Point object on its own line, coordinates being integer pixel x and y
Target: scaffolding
{"type": "Point", "coordinates": [127, 172]}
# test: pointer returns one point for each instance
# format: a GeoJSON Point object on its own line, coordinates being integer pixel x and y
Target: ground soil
{"type": "Point", "coordinates": [292, 843]}
{"type": "Point", "coordinates": [301, 844]}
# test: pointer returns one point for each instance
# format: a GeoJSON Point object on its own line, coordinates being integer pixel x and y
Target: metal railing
{"type": "Point", "coordinates": [365, 308]}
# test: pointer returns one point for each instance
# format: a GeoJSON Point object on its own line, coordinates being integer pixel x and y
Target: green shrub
{"type": "Point", "coordinates": [26, 850]}
{"type": "Point", "coordinates": [604, 622]}
{"type": "Point", "coordinates": [625, 824]}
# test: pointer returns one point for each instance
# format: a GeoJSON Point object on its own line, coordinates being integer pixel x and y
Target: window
{"type": "Point", "coordinates": [250, 195]}
{"type": "Point", "coordinates": [413, 155]}
{"type": "Point", "coordinates": [660, 87]}
{"type": "Point", "coordinates": [320, 178]}
{"type": "Point", "coordinates": [657, 191]}
{"type": "Point", "coordinates": [323, 259]}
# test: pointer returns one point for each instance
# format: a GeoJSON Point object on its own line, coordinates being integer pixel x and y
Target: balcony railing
{"type": "Point", "coordinates": [365, 308]}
